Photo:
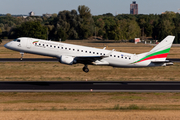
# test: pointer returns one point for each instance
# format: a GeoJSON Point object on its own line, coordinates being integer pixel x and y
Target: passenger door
{"type": "Point", "coordinates": [28, 44]}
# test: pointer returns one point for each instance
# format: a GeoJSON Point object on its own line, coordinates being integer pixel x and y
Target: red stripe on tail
{"type": "Point", "coordinates": [155, 56]}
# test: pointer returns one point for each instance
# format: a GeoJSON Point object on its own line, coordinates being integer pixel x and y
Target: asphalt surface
{"type": "Point", "coordinates": [85, 86]}
{"type": "Point", "coordinates": [90, 86]}
{"type": "Point", "coordinates": [52, 59]}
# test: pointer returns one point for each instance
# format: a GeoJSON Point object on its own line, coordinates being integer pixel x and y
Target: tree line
{"type": "Point", "coordinates": [81, 24]}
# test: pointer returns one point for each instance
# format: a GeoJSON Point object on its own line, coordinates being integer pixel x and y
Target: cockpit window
{"type": "Point", "coordinates": [17, 40]}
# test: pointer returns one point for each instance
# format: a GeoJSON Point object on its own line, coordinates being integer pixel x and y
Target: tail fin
{"type": "Point", "coordinates": [160, 51]}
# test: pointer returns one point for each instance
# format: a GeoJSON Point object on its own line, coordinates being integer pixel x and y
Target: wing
{"type": "Point", "coordinates": [95, 60]}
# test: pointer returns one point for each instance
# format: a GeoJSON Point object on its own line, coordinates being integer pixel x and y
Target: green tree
{"type": "Point", "coordinates": [177, 28]}
{"type": "Point", "coordinates": [110, 24]}
{"type": "Point", "coordinates": [133, 30]}
{"type": "Point", "coordinates": [2, 26]}
{"type": "Point", "coordinates": [108, 14]}
{"type": "Point", "coordinates": [68, 22]}
{"type": "Point", "coordinates": [166, 27]}
{"type": "Point", "coordinates": [72, 33]}
{"type": "Point", "coordinates": [84, 12]}
{"type": "Point", "coordinates": [86, 26]}
{"type": "Point", "coordinates": [8, 15]}
{"type": "Point", "coordinates": [0, 31]}
{"type": "Point", "coordinates": [0, 35]}
{"type": "Point", "coordinates": [100, 27]}
{"type": "Point", "coordinates": [31, 29]}
{"type": "Point", "coordinates": [61, 34]}
{"type": "Point", "coordinates": [124, 29]}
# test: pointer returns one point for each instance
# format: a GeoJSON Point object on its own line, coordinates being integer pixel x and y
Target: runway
{"type": "Point", "coordinates": [28, 60]}
{"type": "Point", "coordinates": [90, 86]}
{"type": "Point", "coordinates": [51, 60]}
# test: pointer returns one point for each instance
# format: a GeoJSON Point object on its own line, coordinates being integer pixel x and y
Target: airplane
{"type": "Point", "coordinates": [72, 54]}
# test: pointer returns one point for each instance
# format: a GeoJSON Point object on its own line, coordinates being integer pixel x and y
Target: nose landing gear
{"type": "Point", "coordinates": [22, 53]}
{"type": "Point", "coordinates": [85, 68]}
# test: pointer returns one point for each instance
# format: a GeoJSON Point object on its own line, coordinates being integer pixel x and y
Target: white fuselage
{"type": "Point", "coordinates": [59, 49]}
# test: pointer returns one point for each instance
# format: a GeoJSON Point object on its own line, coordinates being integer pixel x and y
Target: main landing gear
{"type": "Point", "coordinates": [85, 68]}
{"type": "Point", "coordinates": [22, 53]}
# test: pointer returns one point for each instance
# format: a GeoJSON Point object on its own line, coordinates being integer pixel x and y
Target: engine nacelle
{"type": "Point", "coordinates": [67, 60]}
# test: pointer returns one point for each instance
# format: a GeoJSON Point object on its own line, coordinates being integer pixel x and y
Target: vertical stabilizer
{"type": "Point", "coordinates": [160, 51]}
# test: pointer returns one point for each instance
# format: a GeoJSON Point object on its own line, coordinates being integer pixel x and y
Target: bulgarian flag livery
{"type": "Point", "coordinates": [158, 53]}
{"type": "Point", "coordinates": [35, 42]}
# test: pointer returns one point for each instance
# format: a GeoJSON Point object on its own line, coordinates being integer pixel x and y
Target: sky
{"type": "Point", "coordinates": [98, 7]}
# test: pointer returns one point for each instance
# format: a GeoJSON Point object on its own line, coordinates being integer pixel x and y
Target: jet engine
{"type": "Point", "coordinates": [67, 60]}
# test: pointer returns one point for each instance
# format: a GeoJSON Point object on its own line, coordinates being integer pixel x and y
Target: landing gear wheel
{"type": "Point", "coordinates": [85, 69]}
{"type": "Point", "coordinates": [22, 53]}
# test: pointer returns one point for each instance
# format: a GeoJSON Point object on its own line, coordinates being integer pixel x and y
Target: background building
{"type": "Point", "coordinates": [134, 8]}
{"type": "Point", "coordinates": [47, 15]}
{"type": "Point", "coordinates": [31, 13]}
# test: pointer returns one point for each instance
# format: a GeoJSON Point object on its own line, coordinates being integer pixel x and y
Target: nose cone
{"type": "Point", "coordinates": [7, 45]}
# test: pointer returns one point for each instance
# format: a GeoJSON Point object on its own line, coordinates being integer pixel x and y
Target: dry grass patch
{"type": "Point", "coordinates": [88, 101]}
{"type": "Point", "coordinates": [54, 71]}
{"type": "Point", "coordinates": [85, 105]}
{"type": "Point", "coordinates": [91, 115]}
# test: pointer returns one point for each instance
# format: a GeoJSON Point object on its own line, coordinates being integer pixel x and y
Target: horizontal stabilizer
{"type": "Point", "coordinates": [166, 61]}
